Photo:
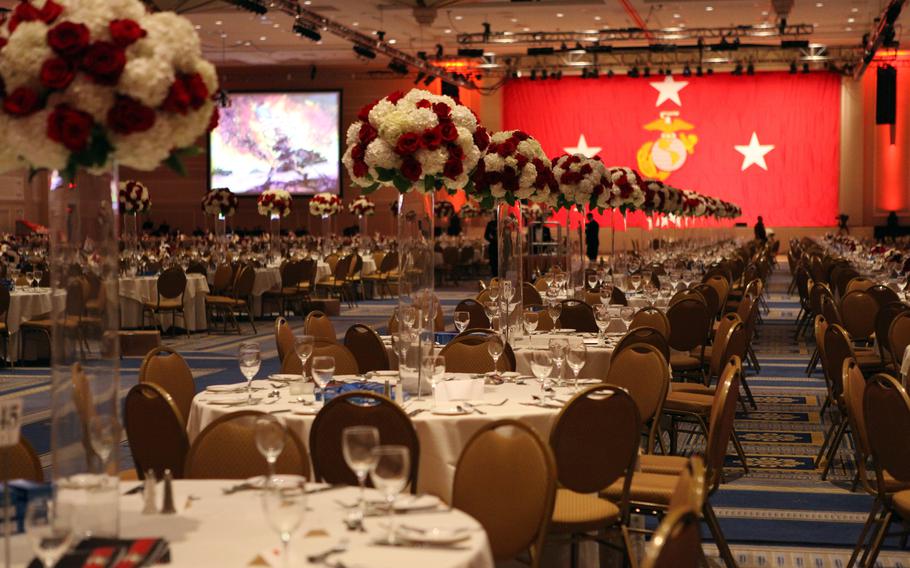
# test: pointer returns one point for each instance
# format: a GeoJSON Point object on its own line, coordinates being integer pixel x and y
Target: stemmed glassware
{"type": "Point", "coordinates": [304, 346]}
{"type": "Point", "coordinates": [50, 534]}
{"type": "Point", "coordinates": [38, 275]}
{"type": "Point", "coordinates": [462, 319]}
{"type": "Point", "coordinates": [554, 308]}
{"type": "Point", "coordinates": [104, 435]}
{"type": "Point", "coordinates": [606, 293]}
{"type": "Point", "coordinates": [323, 369]}
{"type": "Point", "coordinates": [284, 503]}
{"type": "Point", "coordinates": [434, 367]}
{"type": "Point", "coordinates": [389, 475]}
{"type": "Point", "coordinates": [409, 315]}
{"type": "Point", "coordinates": [250, 360]}
{"type": "Point", "coordinates": [530, 319]}
{"type": "Point", "coordinates": [495, 347]}
{"type": "Point", "coordinates": [271, 436]}
{"type": "Point", "coordinates": [357, 444]}
{"type": "Point", "coordinates": [602, 319]}
{"type": "Point", "coordinates": [576, 357]}
{"type": "Point", "coordinates": [541, 367]}
{"type": "Point", "coordinates": [635, 280]}
{"type": "Point", "coordinates": [558, 348]}
{"type": "Point", "coordinates": [627, 313]}
{"type": "Point", "coordinates": [30, 276]}
{"type": "Point", "coordinates": [592, 281]}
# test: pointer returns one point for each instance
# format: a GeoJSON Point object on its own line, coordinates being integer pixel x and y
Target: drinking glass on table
{"type": "Point", "coordinates": [389, 475]}
{"type": "Point", "coordinates": [635, 280]}
{"type": "Point", "coordinates": [48, 532]}
{"type": "Point", "coordinates": [561, 279]}
{"type": "Point", "coordinates": [576, 357]}
{"type": "Point", "coordinates": [30, 276]}
{"type": "Point", "coordinates": [541, 367]}
{"type": "Point", "coordinates": [271, 437]}
{"type": "Point", "coordinates": [606, 293]}
{"type": "Point", "coordinates": [530, 319]}
{"type": "Point", "coordinates": [323, 369]}
{"type": "Point", "coordinates": [284, 503]}
{"type": "Point", "coordinates": [627, 313]}
{"type": "Point", "coordinates": [592, 281]}
{"type": "Point", "coordinates": [357, 443]}
{"type": "Point", "coordinates": [409, 315]}
{"type": "Point", "coordinates": [558, 348]}
{"type": "Point", "coordinates": [495, 347]}
{"type": "Point", "coordinates": [494, 292]}
{"type": "Point", "coordinates": [462, 319]}
{"type": "Point", "coordinates": [250, 360]}
{"type": "Point", "coordinates": [304, 346]}
{"type": "Point", "coordinates": [434, 367]}
{"type": "Point", "coordinates": [38, 275]}
{"type": "Point", "coordinates": [507, 291]}
{"type": "Point", "coordinates": [554, 308]}
{"type": "Point", "coordinates": [104, 435]}
{"type": "Point", "coordinates": [602, 319]}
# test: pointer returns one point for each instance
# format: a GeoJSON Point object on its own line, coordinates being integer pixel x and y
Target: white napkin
{"type": "Point", "coordinates": [462, 389]}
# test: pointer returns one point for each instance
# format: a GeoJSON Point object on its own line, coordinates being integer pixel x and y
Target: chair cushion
{"type": "Point", "coordinates": [223, 301]}
{"type": "Point", "coordinates": [579, 512]}
{"type": "Point", "coordinates": [892, 485]}
{"type": "Point", "coordinates": [688, 402]}
{"type": "Point", "coordinates": [694, 388]}
{"type": "Point", "coordinates": [664, 465]}
{"type": "Point", "coordinates": [684, 362]}
{"type": "Point", "coordinates": [901, 501]}
{"type": "Point", "coordinates": [646, 488]}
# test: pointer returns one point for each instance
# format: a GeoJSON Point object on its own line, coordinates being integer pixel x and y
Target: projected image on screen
{"type": "Point", "coordinates": [277, 141]}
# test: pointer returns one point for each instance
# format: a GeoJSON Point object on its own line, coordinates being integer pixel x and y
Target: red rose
{"type": "Point", "coordinates": [199, 93]}
{"type": "Point", "coordinates": [481, 138]}
{"type": "Point", "coordinates": [456, 152]}
{"type": "Point", "coordinates": [104, 61]}
{"type": "Point", "coordinates": [126, 32]}
{"type": "Point", "coordinates": [367, 133]}
{"type": "Point", "coordinates": [431, 138]}
{"type": "Point", "coordinates": [520, 136]}
{"type": "Point", "coordinates": [453, 168]}
{"type": "Point", "coordinates": [57, 73]}
{"type": "Point", "coordinates": [442, 110]}
{"type": "Point", "coordinates": [68, 39]}
{"type": "Point", "coordinates": [3, 42]}
{"type": "Point", "coordinates": [178, 98]}
{"type": "Point", "coordinates": [22, 102]}
{"type": "Point", "coordinates": [216, 116]}
{"type": "Point", "coordinates": [506, 149]}
{"type": "Point", "coordinates": [395, 97]}
{"type": "Point", "coordinates": [586, 169]}
{"type": "Point", "coordinates": [24, 12]}
{"type": "Point", "coordinates": [70, 127]}
{"type": "Point", "coordinates": [364, 114]}
{"type": "Point", "coordinates": [407, 144]}
{"type": "Point", "coordinates": [449, 132]}
{"type": "Point", "coordinates": [129, 116]}
{"type": "Point", "coordinates": [358, 152]}
{"type": "Point", "coordinates": [411, 169]}
{"type": "Point", "coordinates": [521, 160]}
{"type": "Point", "coordinates": [50, 12]}
{"type": "Point", "coordinates": [360, 169]}
{"type": "Point", "coordinates": [423, 103]}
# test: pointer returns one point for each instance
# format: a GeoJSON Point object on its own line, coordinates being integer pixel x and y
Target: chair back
{"type": "Point", "coordinates": [711, 298]}
{"type": "Point", "coordinates": [284, 338]}
{"type": "Point", "coordinates": [639, 335]}
{"type": "Point", "coordinates": [690, 321]}
{"type": "Point", "coordinates": [171, 284]}
{"type": "Point", "coordinates": [859, 283]}
{"type": "Point", "coordinates": [643, 371]}
{"type": "Point", "coordinates": [530, 295]}
{"type": "Point", "coordinates": [883, 319]}
{"type": "Point", "coordinates": [222, 279]}
{"type": "Point", "coordinates": [651, 317]}
{"type": "Point", "coordinates": [676, 542]}
{"type": "Point", "coordinates": [468, 353]}
{"type": "Point", "coordinates": [243, 286]}
{"type": "Point", "coordinates": [156, 431]}
{"type": "Point", "coordinates": [854, 389]}
{"type": "Point", "coordinates": [721, 287]}
{"type": "Point", "coordinates": [883, 295]}
{"type": "Point", "coordinates": [479, 317]}
{"type": "Point", "coordinates": [577, 315]}
{"type": "Point", "coordinates": [720, 424]}
{"type": "Point", "coordinates": [22, 462]}
{"type": "Point", "coordinates": [899, 336]}
{"type": "Point", "coordinates": [367, 348]}
{"type": "Point", "coordinates": [886, 410]}
{"type": "Point", "coordinates": [226, 449]}
{"type": "Point", "coordinates": [196, 267]}
{"type": "Point", "coordinates": [857, 310]}
{"type": "Point", "coordinates": [514, 510]}
{"type": "Point", "coordinates": [4, 302]}
{"type": "Point", "coordinates": [319, 326]}
{"type": "Point", "coordinates": [358, 408]}
{"type": "Point", "coordinates": [170, 372]}
{"type": "Point", "coordinates": [830, 310]}
{"type": "Point", "coordinates": [838, 347]}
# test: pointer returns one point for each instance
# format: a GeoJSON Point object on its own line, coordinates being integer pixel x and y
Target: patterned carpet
{"type": "Point", "coordinates": [781, 514]}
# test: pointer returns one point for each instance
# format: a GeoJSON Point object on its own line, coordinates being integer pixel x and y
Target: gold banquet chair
{"type": "Point", "coordinates": [155, 430]}
{"type": "Point", "coordinates": [170, 372]}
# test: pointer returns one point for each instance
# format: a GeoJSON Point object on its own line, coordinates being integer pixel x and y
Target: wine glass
{"type": "Point", "coordinates": [357, 443]}
{"type": "Point", "coordinates": [507, 291]}
{"type": "Point", "coordinates": [104, 435]}
{"type": "Point", "coordinates": [50, 534]}
{"type": "Point", "coordinates": [271, 437]}
{"type": "Point", "coordinates": [323, 370]}
{"type": "Point", "coordinates": [592, 281]}
{"type": "Point", "coordinates": [558, 347]}
{"type": "Point", "coordinates": [561, 279]}
{"type": "Point", "coordinates": [462, 319]}
{"type": "Point", "coordinates": [304, 346]}
{"type": "Point", "coordinates": [576, 357]}
{"type": "Point", "coordinates": [284, 503]}
{"type": "Point", "coordinates": [409, 317]}
{"type": "Point", "coordinates": [635, 280]}
{"type": "Point", "coordinates": [38, 275]}
{"type": "Point", "coordinates": [554, 308]}
{"type": "Point", "coordinates": [389, 475]}
{"type": "Point", "coordinates": [30, 276]}
{"type": "Point", "coordinates": [541, 367]}
{"type": "Point", "coordinates": [530, 319]}
{"type": "Point", "coordinates": [627, 313]}
{"type": "Point", "coordinates": [250, 360]}
{"type": "Point", "coordinates": [434, 367]}
{"type": "Point", "coordinates": [602, 319]}
{"type": "Point", "coordinates": [495, 347]}
{"type": "Point", "coordinates": [494, 292]}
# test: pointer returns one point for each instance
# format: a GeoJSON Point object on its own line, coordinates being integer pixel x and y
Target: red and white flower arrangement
{"type": "Point", "coordinates": [532, 211]}
{"type": "Point", "coordinates": [578, 177]}
{"type": "Point", "coordinates": [220, 201]}
{"type": "Point", "coordinates": [443, 209]}
{"type": "Point", "coordinates": [414, 141]}
{"type": "Point", "coordinates": [133, 198]}
{"type": "Point", "coordinates": [325, 204]}
{"type": "Point", "coordinates": [623, 190]}
{"type": "Point", "coordinates": [514, 168]}
{"type": "Point", "coordinates": [656, 195]}
{"type": "Point", "coordinates": [693, 205]}
{"type": "Point", "coordinates": [274, 202]}
{"type": "Point", "coordinates": [362, 207]}
{"type": "Point", "coordinates": [88, 83]}
{"type": "Point", "coordinates": [470, 210]}
{"type": "Point", "coordinates": [673, 203]}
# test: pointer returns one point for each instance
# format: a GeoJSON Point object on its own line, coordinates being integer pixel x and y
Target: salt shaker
{"type": "Point", "coordinates": [168, 508]}
{"type": "Point", "coordinates": [148, 493]}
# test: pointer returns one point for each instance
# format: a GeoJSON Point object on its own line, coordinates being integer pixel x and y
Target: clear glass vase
{"type": "Point", "coordinates": [327, 247]}
{"type": "Point", "coordinates": [416, 282]}
{"type": "Point", "coordinates": [85, 350]}
{"type": "Point", "coordinates": [575, 250]}
{"type": "Point", "coordinates": [130, 236]}
{"type": "Point", "coordinates": [220, 238]}
{"type": "Point", "coordinates": [510, 251]}
{"type": "Point", "coordinates": [275, 239]}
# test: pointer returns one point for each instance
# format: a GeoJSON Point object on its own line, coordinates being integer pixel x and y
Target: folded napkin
{"type": "Point", "coordinates": [462, 389]}
{"type": "Point", "coordinates": [114, 553]}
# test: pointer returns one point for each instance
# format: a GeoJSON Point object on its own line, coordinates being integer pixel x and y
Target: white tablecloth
{"type": "Point", "coordinates": [266, 279]}
{"type": "Point", "coordinates": [231, 531]}
{"type": "Point", "coordinates": [323, 271]}
{"type": "Point", "coordinates": [137, 289]}
{"type": "Point", "coordinates": [597, 357]}
{"type": "Point", "coordinates": [25, 304]}
{"type": "Point", "coordinates": [442, 438]}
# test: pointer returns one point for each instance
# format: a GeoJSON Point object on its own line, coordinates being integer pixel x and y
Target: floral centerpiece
{"type": "Point", "coordinates": [362, 207]}
{"type": "Point", "coordinates": [90, 83]}
{"type": "Point", "coordinates": [656, 195]}
{"type": "Point", "coordinates": [325, 205]}
{"type": "Point", "coordinates": [133, 198]}
{"type": "Point", "coordinates": [515, 168]}
{"type": "Point", "coordinates": [443, 209]}
{"type": "Point", "coordinates": [673, 203]}
{"type": "Point", "coordinates": [220, 201]}
{"type": "Point", "coordinates": [578, 178]}
{"type": "Point", "coordinates": [413, 141]}
{"type": "Point", "coordinates": [623, 190]}
{"type": "Point", "coordinates": [694, 205]}
{"type": "Point", "coordinates": [274, 202]}
{"type": "Point", "coordinates": [470, 210]}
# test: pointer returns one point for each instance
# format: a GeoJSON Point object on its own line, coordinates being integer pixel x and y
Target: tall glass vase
{"type": "Point", "coordinates": [362, 225]}
{"type": "Point", "coordinates": [274, 238]}
{"type": "Point", "coordinates": [575, 249]}
{"type": "Point", "coordinates": [85, 357]}
{"type": "Point", "coordinates": [326, 235]}
{"type": "Point", "coordinates": [416, 280]}
{"type": "Point", "coordinates": [510, 250]}
{"type": "Point", "coordinates": [130, 235]}
{"type": "Point", "coordinates": [220, 238]}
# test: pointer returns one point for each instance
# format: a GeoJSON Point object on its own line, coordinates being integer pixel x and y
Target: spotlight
{"type": "Point", "coordinates": [306, 29]}
{"type": "Point", "coordinates": [750, 69]}
{"type": "Point", "coordinates": [647, 72]}
{"type": "Point", "coordinates": [633, 72]}
{"type": "Point", "coordinates": [698, 71]}
{"type": "Point", "coordinates": [439, 51]}
{"type": "Point", "coordinates": [687, 71]}
{"type": "Point", "coordinates": [467, 52]}
{"type": "Point", "coordinates": [255, 6]}
{"type": "Point", "coordinates": [364, 51]}
{"type": "Point", "coordinates": [738, 70]}
{"type": "Point", "coordinates": [533, 74]}
{"type": "Point", "coordinates": [805, 67]}
{"type": "Point", "coordinates": [398, 67]}
{"type": "Point", "coordinates": [793, 68]}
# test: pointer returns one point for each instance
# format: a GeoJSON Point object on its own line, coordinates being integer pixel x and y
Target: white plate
{"type": "Point", "coordinates": [284, 378]}
{"type": "Point", "coordinates": [449, 411]}
{"type": "Point", "coordinates": [259, 480]}
{"type": "Point", "coordinates": [385, 373]}
{"type": "Point", "coordinates": [439, 536]}
{"type": "Point", "coordinates": [504, 374]}
{"type": "Point", "coordinates": [404, 502]}
{"type": "Point", "coordinates": [226, 388]}
{"type": "Point", "coordinates": [228, 400]}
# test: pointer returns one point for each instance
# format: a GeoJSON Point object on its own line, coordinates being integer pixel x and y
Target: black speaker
{"type": "Point", "coordinates": [886, 95]}
{"type": "Point", "coordinates": [450, 90]}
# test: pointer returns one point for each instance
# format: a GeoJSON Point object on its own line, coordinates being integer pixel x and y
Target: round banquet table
{"type": "Point", "coordinates": [268, 278]}
{"type": "Point", "coordinates": [442, 438]}
{"type": "Point", "coordinates": [25, 304]}
{"type": "Point", "coordinates": [214, 529]}
{"type": "Point", "coordinates": [134, 290]}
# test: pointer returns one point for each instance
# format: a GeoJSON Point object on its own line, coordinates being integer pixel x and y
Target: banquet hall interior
{"type": "Point", "coordinates": [455, 283]}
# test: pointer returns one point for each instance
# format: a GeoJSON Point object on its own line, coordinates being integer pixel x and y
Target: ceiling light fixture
{"type": "Point", "coordinates": [364, 52]}
{"type": "Point", "coordinates": [254, 6]}
{"type": "Point", "coordinates": [306, 29]}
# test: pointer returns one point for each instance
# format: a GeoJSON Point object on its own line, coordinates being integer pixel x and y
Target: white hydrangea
{"type": "Point", "coordinates": [23, 56]}
{"type": "Point", "coordinates": [87, 96]}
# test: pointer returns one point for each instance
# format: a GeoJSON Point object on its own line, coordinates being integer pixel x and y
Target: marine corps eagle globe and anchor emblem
{"type": "Point", "coordinates": [657, 159]}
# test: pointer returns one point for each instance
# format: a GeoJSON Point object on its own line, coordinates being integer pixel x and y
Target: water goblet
{"type": "Point", "coordinates": [495, 347]}
{"type": "Point", "coordinates": [48, 531]}
{"type": "Point", "coordinates": [284, 503]}
{"type": "Point", "coordinates": [271, 436]}
{"type": "Point", "coordinates": [304, 346]}
{"type": "Point", "coordinates": [434, 367]}
{"type": "Point", "coordinates": [606, 293]}
{"type": "Point", "coordinates": [554, 309]}
{"type": "Point", "coordinates": [576, 357]}
{"type": "Point", "coordinates": [541, 368]}
{"type": "Point", "coordinates": [627, 313]}
{"type": "Point", "coordinates": [462, 319]}
{"type": "Point", "coordinates": [635, 280]}
{"type": "Point", "coordinates": [602, 319]}
{"type": "Point", "coordinates": [323, 369]}
{"type": "Point", "coordinates": [592, 281]}
{"type": "Point", "coordinates": [250, 360]}
{"type": "Point", "coordinates": [558, 347]}
{"type": "Point", "coordinates": [530, 319]}
{"type": "Point", "coordinates": [389, 475]}
{"type": "Point", "coordinates": [357, 443]}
